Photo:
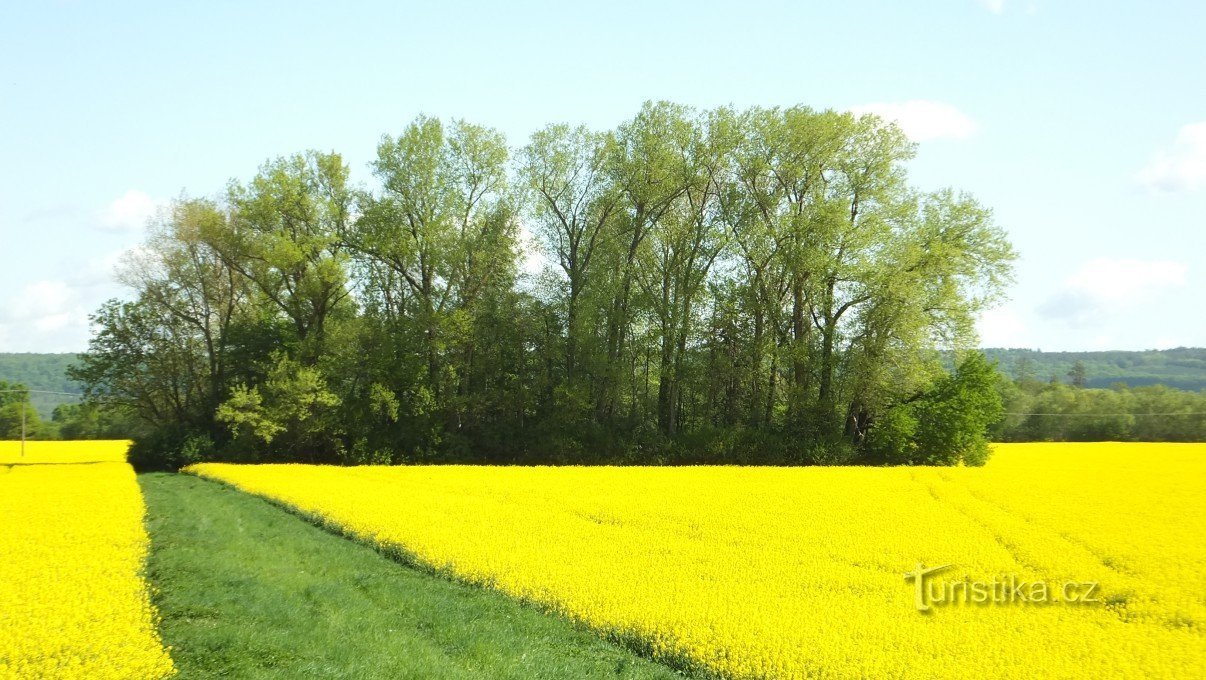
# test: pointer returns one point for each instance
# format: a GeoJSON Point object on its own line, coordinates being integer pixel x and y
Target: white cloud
{"type": "Point", "coordinates": [994, 6]}
{"type": "Point", "coordinates": [50, 323]}
{"type": "Point", "coordinates": [923, 120]}
{"type": "Point", "coordinates": [1001, 327]}
{"type": "Point", "coordinates": [1105, 286]}
{"type": "Point", "coordinates": [1126, 280]}
{"type": "Point", "coordinates": [43, 316]}
{"type": "Point", "coordinates": [35, 300]}
{"type": "Point", "coordinates": [101, 270]}
{"type": "Point", "coordinates": [1180, 168]}
{"type": "Point", "coordinates": [129, 212]}
{"type": "Point", "coordinates": [51, 314]}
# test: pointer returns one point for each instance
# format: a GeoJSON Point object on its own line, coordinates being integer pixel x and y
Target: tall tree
{"type": "Point", "coordinates": [651, 172]}
{"type": "Point", "coordinates": [575, 205]}
{"type": "Point", "coordinates": [1078, 374]}
{"type": "Point", "coordinates": [286, 236]}
{"type": "Point", "coordinates": [681, 251]}
{"type": "Point", "coordinates": [181, 273]}
{"type": "Point", "coordinates": [441, 235]}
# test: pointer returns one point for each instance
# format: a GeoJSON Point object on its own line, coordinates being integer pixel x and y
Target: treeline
{"type": "Point", "coordinates": [719, 286]}
{"type": "Point", "coordinates": [20, 417]}
{"type": "Point", "coordinates": [1055, 411]}
{"type": "Point", "coordinates": [1183, 367]}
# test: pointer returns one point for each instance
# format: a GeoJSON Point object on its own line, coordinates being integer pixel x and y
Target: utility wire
{"type": "Point", "coordinates": [1100, 415]}
{"type": "Point", "coordinates": [65, 394]}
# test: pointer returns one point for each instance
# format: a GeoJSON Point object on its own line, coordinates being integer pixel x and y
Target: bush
{"type": "Point", "coordinates": [362, 453]}
{"type": "Point", "coordinates": [170, 451]}
{"type": "Point", "coordinates": [893, 437]}
{"type": "Point", "coordinates": [831, 452]}
{"type": "Point", "coordinates": [947, 425]}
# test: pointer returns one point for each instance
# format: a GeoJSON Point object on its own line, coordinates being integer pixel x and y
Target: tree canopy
{"type": "Point", "coordinates": [723, 285]}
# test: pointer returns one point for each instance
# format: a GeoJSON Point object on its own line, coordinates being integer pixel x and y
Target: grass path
{"type": "Point", "coordinates": [247, 590]}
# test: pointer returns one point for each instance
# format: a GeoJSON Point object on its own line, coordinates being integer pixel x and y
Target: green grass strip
{"type": "Point", "coordinates": [247, 590]}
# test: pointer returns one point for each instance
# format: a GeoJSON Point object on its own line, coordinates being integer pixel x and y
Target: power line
{"type": "Point", "coordinates": [65, 394]}
{"type": "Point", "coordinates": [25, 392]}
{"type": "Point", "coordinates": [1101, 415]}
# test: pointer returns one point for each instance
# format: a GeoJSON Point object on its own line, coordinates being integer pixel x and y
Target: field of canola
{"type": "Point", "coordinates": [798, 572]}
{"type": "Point", "coordinates": [100, 451]}
{"type": "Point", "coordinates": [73, 603]}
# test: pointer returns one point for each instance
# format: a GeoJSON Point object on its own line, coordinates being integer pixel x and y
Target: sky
{"type": "Point", "coordinates": [1081, 124]}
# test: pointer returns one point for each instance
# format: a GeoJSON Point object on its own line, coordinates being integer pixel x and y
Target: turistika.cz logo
{"type": "Point", "coordinates": [1006, 589]}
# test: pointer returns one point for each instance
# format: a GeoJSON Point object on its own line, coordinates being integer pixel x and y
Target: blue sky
{"type": "Point", "coordinates": [1082, 124]}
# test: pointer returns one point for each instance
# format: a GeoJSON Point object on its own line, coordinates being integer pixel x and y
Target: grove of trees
{"type": "Point", "coordinates": [718, 286]}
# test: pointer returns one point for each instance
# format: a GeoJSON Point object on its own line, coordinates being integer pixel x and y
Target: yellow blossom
{"type": "Point", "coordinates": [73, 603]}
{"type": "Point", "coordinates": [755, 572]}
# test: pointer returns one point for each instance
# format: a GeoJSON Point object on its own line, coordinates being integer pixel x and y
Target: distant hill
{"type": "Point", "coordinates": [41, 372]}
{"type": "Point", "coordinates": [1183, 368]}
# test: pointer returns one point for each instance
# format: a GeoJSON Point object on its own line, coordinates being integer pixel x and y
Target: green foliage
{"type": "Point", "coordinates": [836, 451]}
{"type": "Point", "coordinates": [893, 439]}
{"type": "Point", "coordinates": [1057, 412]}
{"type": "Point", "coordinates": [292, 400]}
{"type": "Point", "coordinates": [164, 449]}
{"type": "Point", "coordinates": [1078, 375]}
{"type": "Point", "coordinates": [954, 417]}
{"type": "Point", "coordinates": [759, 285]}
{"type": "Point", "coordinates": [947, 425]}
{"type": "Point", "coordinates": [18, 417]}
{"type": "Point", "coordinates": [93, 420]}
{"type": "Point", "coordinates": [11, 426]}
{"type": "Point", "coordinates": [45, 372]}
{"type": "Point", "coordinates": [1181, 368]}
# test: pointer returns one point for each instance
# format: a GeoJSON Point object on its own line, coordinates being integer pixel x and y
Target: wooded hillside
{"type": "Point", "coordinates": [41, 372]}
{"type": "Point", "coordinates": [1183, 368]}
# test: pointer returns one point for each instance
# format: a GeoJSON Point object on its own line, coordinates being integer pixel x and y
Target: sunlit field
{"type": "Point", "coordinates": [800, 572]}
{"type": "Point", "coordinates": [73, 603]}
{"type": "Point", "coordinates": [110, 451]}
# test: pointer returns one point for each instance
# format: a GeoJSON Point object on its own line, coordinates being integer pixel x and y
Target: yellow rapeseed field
{"type": "Point", "coordinates": [112, 451]}
{"type": "Point", "coordinates": [73, 603]}
{"type": "Point", "coordinates": [799, 572]}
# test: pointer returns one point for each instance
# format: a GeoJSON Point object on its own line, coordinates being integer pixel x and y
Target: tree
{"type": "Point", "coordinates": [17, 417]}
{"type": "Point", "coordinates": [574, 207]}
{"type": "Point", "coordinates": [1078, 374]}
{"type": "Point", "coordinates": [181, 274]}
{"type": "Point", "coordinates": [92, 421]}
{"type": "Point", "coordinates": [292, 403]}
{"type": "Point", "coordinates": [285, 237]}
{"type": "Point", "coordinates": [954, 418]}
{"type": "Point", "coordinates": [649, 169]}
{"type": "Point", "coordinates": [145, 359]}
{"type": "Point", "coordinates": [674, 269]}
{"type": "Point", "coordinates": [439, 246]}
{"type": "Point", "coordinates": [948, 424]}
